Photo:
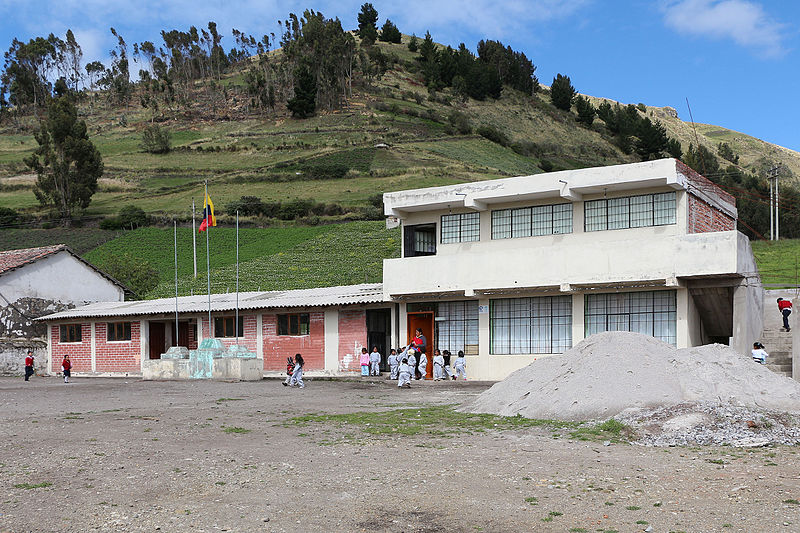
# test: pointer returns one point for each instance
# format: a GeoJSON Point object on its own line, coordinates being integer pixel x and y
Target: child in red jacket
{"type": "Point", "coordinates": [66, 365]}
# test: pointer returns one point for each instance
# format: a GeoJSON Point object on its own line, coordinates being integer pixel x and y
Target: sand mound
{"type": "Point", "coordinates": [613, 371]}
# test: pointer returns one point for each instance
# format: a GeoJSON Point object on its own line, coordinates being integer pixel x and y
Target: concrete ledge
{"type": "Point", "coordinates": [237, 368]}
{"type": "Point", "coordinates": [159, 369]}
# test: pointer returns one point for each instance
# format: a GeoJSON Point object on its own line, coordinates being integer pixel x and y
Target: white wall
{"type": "Point", "coordinates": [59, 277]}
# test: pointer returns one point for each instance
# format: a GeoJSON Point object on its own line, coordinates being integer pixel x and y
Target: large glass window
{"type": "Point", "coordinates": [463, 227]}
{"type": "Point", "coordinates": [532, 221]}
{"type": "Point", "coordinates": [118, 331]}
{"type": "Point", "coordinates": [630, 212]}
{"type": "Point", "coordinates": [652, 313]}
{"type": "Point", "coordinates": [531, 325]}
{"type": "Point", "coordinates": [457, 326]}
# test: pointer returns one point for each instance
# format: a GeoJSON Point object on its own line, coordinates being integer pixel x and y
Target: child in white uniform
{"type": "Point", "coordinates": [438, 366]}
{"type": "Point", "coordinates": [404, 372]}
{"type": "Point", "coordinates": [394, 362]}
{"type": "Point", "coordinates": [759, 354]}
{"type": "Point", "coordinates": [297, 374]}
{"type": "Point", "coordinates": [375, 362]}
{"type": "Point", "coordinates": [423, 365]}
{"type": "Point", "coordinates": [461, 365]}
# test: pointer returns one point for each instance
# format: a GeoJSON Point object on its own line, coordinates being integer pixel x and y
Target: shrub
{"type": "Point", "coordinates": [248, 206]}
{"type": "Point", "coordinates": [8, 217]}
{"type": "Point", "coordinates": [460, 122]}
{"type": "Point", "coordinates": [111, 223]}
{"type": "Point", "coordinates": [156, 140]}
{"type": "Point", "coordinates": [526, 148]}
{"type": "Point", "coordinates": [493, 135]}
{"type": "Point", "coordinates": [295, 209]}
{"type": "Point", "coordinates": [131, 216]}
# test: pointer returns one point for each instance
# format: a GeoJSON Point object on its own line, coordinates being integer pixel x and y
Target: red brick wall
{"type": "Point", "coordinates": [278, 347]}
{"type": "Point", "coordinates": [352, 337]}
{"type": "Point", "coordinates": [117, 356]}
{"type": "Point", "coordinates": [703, 218]}
{"type": "Point", "coordinates": [80, 353]}
{"type": "Point", "coordinates": [705, 184]}
{"type": "Point", "coordinates": [250, 339]}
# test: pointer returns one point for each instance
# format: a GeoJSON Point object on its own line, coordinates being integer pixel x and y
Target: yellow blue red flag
{"type": "Point", "coordinates": [208, 214]}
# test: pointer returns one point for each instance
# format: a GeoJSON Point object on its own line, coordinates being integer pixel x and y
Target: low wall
{"type": "Point", "coordinates": [13, 352]}
{"type": "Point", "coordinates": [223, 368]}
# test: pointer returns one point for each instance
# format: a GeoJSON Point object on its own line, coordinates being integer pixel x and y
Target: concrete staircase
{"type": "Point", "coordinates": [778, 343]}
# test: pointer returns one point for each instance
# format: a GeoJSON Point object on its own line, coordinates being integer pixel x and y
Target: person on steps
{"type": "Point", "coordinates": [785, 307]}
{"type": "Point", "coordinates": [759, 354]}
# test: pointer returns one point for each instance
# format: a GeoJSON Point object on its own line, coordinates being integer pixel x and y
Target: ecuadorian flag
{"type": "Point", "coordinates": [208, 214]}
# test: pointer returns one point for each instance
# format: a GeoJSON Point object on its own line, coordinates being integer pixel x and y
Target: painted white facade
{"type": "Point", "coordinates": [60, 277]}
{"type": "Point", "coordinates": [712, 274]}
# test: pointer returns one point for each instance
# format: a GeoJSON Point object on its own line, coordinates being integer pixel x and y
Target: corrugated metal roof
{"type": "Point", "coordinates": [366, 293]}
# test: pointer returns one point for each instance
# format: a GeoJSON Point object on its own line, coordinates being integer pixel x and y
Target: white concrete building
{"type": "Point", "coordinates": [513, 269]}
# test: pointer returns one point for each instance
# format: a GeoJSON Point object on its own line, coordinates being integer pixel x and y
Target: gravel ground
{"type": "Point", "coordinates": [127, 455]}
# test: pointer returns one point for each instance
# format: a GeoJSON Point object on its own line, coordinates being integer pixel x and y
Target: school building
{"type": "Point", "coordinates": [507, 270]}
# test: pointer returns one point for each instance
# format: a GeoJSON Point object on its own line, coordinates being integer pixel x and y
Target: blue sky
{"type": "Point", "coordinates": [735, 60]}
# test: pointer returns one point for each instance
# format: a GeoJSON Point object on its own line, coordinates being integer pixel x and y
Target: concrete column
{"type": "Point", "coordinates": [577, 217]}
{"type": "Point", "coordinates": [682, 318]}
{"type": "Point", "coordinates": [94, 348]}
{"type": "Point", "coordinates": [479, 366]}
{"type": "Point", "coordinates": [50, 349]}
{"type": "Point", "coordinates": [578, 318]}
{"type": "Point", "coordinates": [260, 336]}
{"type": "Point", "coordinates": [144, 343]}
{"type": "Point", "coordinates": [331, 332]}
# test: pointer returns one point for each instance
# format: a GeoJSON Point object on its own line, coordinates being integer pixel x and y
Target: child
{"type": "Point", "coordinates": [29, 365]}
{"type": "Point", "coordinates": [411, 354]}
{"type": "Point", "coordinates": [66, 365]}
{"type": "Point", "coordinates": [297, 373]}
{"type": "Point", "coordinates": [759, 354]}
{"type": "Point", "coordinates": [461, 366]}
{"type": "Point", "coordinates": [405, 375]}
{"type": "Point", "coordinates": [423, 365]}
{"type": "Point", "coordinates": [289, 370]}
{"type": "Point", "coordinates": [438, 365]}
{"type": "Point", "coordinates": [448, 371]}
{"type": "Point", "coordinates": [375, 362]}
{"type": "Point", "coordinates": [393, 364]}
{"type": "Point", "coordinates": [364, 362]}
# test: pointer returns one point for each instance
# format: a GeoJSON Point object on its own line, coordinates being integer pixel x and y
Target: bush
{"type": "Point", "coordinates": [526, 148]}
{"type": "Point", "coordinates": [295, 209]}
{"type": "Point", "coordinates": [324, 171]}
{"type": "Point", "coordinates": [8, 217]}
{"type": "Point", "coordinates": [460, 122]}
{"type": "Point", "coordinates": [111, 223]}
{"type": "Point", "coordinates": [247, 206]}
{"type": "Point", "coordinates": [131, 216]}
{"type": "Point", "coordinates": [155, 140]}
{"type": "Point", "coordinates": [493, 135]}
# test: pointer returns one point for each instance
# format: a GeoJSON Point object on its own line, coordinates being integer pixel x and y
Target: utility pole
{"type": "Point", "coordinates": [772, 177]}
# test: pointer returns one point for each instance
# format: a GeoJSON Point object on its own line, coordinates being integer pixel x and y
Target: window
{"type": "Point", "coordinates": [531, 325]}
{"type": "Point", "coordinates": [464, 227]}
{"type": "Point", "coordinates": [223, 327]}
{"type": "Point", "coordinates": [419, 240]}
{"type": "Point", "coordinates": [457, 326]}
{"type": "Point", "coordinates": [630, 212]}
{"type": "Point", "coordinates": [71, 333]}
{"type": "Point", "coordinates": [119, 331]}
{"type": "Point", "coordinates": [532, 221]}
{"type": "Point", "coordinates": [293, 324]}
{"type": "Point", "coordinates": [651, 313]}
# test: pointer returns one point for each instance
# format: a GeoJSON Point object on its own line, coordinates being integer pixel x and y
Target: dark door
{"type": "Point", "coordinates": [183, 334]}
{"type": "Point", "coordinates": [157, 339]}
{"type": "Point", "coordinates": [378, 333]}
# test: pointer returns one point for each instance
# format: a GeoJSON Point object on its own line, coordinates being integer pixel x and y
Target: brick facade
{"type": "Point", "coordinates": [278, 347]}
{"type": "Point", "coordinates": [250, 338]}
{"type": "Point", "coordinates": [117, 356]}
{"type": "Point", "coordinates": [704, 218]}
{"type": "Point", "coordinates": [352, 337]}
{"type": "Point", "coordinates": [80, 353]}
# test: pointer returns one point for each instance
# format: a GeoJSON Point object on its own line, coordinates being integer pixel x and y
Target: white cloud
{"type": "Point", "coordinates": [742, 21]}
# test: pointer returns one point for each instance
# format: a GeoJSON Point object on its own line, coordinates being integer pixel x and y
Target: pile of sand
{"type": "Point", "coordinates": [613, 371]}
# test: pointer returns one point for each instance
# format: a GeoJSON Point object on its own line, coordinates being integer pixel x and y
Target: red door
{"type": "Point", "coordinates": [158, 339]}
{"type": "Point", "coordinates": [424, 321]}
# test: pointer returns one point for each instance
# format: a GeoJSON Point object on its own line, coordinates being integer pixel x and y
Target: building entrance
{"type": "Point", "coordinates": [424, 321]}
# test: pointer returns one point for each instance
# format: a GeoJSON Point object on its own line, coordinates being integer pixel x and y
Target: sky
{"type": "Point", "coordinates": [736, 61]}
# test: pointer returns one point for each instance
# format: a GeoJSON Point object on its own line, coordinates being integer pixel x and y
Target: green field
{"type": "Point", "coordinates": [778, 261]}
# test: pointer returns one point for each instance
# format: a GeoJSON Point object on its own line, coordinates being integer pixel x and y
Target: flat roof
{"type": "Point", "coordinates": [366, 293]}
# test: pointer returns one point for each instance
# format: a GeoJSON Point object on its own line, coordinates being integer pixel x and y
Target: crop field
{"type": "Point", "coordinates": [80, 240]}
{"type": "Point", "coordinates": [339, 255]}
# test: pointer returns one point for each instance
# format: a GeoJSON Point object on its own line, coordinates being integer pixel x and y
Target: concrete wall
{"type": "Point", "coordinates": [14, 351]}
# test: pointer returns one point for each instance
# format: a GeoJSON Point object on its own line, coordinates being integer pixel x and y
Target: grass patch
{"type": "Point", "coordinates": [792, 501]}
{"type": "Point", "coordinates": [437, 421]}
{"type": "Point", "coordinates": [632, 508]}
{"type": "Point", "coordinates": [234, 429]}
{"type": "Point", "coordinates": [30, 486]}
{"type": "Point", "coordinates": [532, 500]}
{"type": "Point", "coordinates": [611, 430]}
{"type": "Point", "coordinates": [223, 400]}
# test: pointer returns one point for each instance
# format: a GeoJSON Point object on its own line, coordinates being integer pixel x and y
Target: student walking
{"type": "Point", "coordinates": [438, 365]}
{"type": "Point", "coordinates": [461, 366]}
{"type": "Point", "coordinates": [297, 373]}
{"type": "Point", "coordinates": [404, 372]}
{"type": "Point", "coordinates": [29, 365]}
{"type": "Point", "coordinates": [785, 307]}
{"type": "Point", "coordinates": [66, 366]}
{"type": "Point", "coordinates": [423, 365]}
{"type": "Point", "coordinates": [394, 363]}
{"type": "Point", "coordinates": [448, 371]}
{"type": "Point", "coordinates": [289, 371]}
{"type": "Point", "coordinates": [375, 362]}
{"type": "Point", "coordinates": [364, 362]}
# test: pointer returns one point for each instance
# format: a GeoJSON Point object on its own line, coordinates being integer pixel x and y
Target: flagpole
{"type": "Point", "coordinates": [237, 278]}
{"type": "Point", "coordinates": [194, 241]}
{"type": "Point", "coordinates": [208, 263]}
{"type": "Point", "coordinates": [175, 227]}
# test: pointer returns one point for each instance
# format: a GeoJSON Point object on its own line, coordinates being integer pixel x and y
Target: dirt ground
{"type": "Point", "coordinates": [129, 455]}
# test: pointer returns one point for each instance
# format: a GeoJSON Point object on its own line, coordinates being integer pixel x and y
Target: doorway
{"type": "Point", "coordinates": [379, 333]}
{"type": "Point", "coordinates": [424, 321]}
{"type": "Point", "coordinates": [158, 339]}
{"type": "Point", "coordinates": [187, 332]}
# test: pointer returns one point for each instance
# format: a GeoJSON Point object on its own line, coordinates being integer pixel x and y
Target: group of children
{"type": "Point", "coordinates": [66, 367]}
{"type": "Point", "coordinates": [403, 364]}
{"type": "Point", "coordinates": [370, 362]}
